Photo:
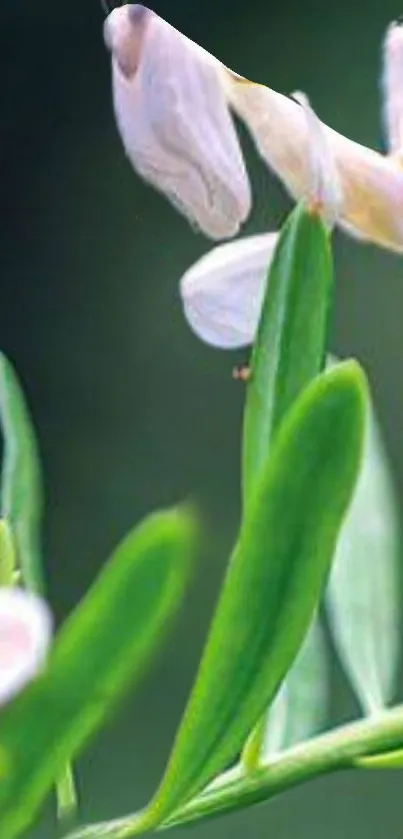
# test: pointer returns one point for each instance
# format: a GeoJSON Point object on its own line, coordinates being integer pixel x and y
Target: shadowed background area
{"type": "Point", "coordinates": [132, 411]}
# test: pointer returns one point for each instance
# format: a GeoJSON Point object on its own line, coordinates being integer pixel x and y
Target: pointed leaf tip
{"type": "Point", "coordinates": [295, 314]}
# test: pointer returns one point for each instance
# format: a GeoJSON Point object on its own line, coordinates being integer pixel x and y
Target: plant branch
{"type": "Point", "coordinates": [338, 749]}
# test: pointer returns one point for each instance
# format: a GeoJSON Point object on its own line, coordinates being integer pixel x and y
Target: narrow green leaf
{"type": "Point", "coordinates": [299, 709]}
{"type": "Point", "coordinates": [21, 486]}
{"type": "Point", "coordinates": [274, 581]}
{"type": "Point", "coordinates": [103, 646]}
{"type": "Point", "coordinates": [290, 346]}
{"type": "Point", "coordinates": [22, 499]}
{"type": "Point", "coordinates": [289, 351]}
{"type": "Point", "coordinates": [363, 597]}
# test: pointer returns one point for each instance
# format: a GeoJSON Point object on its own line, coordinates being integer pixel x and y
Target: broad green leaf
{"type": "Point", "coordinates": [21, 485]}
{"type": "Point", "coordinates": [275, 578]}
{"type": "Point", "coordinates": [103, 646]}
{"type": "Point", "coordinates": [290, 346]}
{"type": "Point", "coordinates": [299, 709]}
{"type": "Point", "coordinates": [363, 597]}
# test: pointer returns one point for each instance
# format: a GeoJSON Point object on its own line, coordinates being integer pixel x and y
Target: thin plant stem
{"type": "Point", "coordinates": [338, 749]}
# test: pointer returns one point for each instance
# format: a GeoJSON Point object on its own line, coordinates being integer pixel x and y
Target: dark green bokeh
{"type": "Point", "coordinates": [132, 411]}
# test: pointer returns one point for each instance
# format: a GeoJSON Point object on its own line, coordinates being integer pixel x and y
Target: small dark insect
{"type": "Point", "coordinates": [242, 373]}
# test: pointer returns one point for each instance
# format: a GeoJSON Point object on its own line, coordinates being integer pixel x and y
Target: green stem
{"type": "Point", "coordinates": [330, 752]}
{"type": "Point", "coordinates": [338, 749]}
{"type": "Point", "coordinates": [8, 561]}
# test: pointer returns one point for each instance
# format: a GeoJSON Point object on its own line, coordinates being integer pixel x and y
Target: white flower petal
{"type": "Point", "coordinates": [371, 184]}
{"type": "Point", "coordinates": [174, 120]}
{"type": "Point", "coordinates": [25, 634]}
{"type": "Point", "coordinates": [223, 292]}
{"type": "Point", "coordinates": [393, 87]}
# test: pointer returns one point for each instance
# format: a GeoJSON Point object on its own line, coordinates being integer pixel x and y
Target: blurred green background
{"type": "Point", "coordinates": [132, 411]}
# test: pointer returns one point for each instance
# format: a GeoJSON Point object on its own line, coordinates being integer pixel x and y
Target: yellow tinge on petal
{"type": "Point", "coordinates": [323, 190]}
{"type": "Point", "coordinates": [371, 184]}
{"type": "Point", "coordinates": [174, 120]}
{"type": "Point", "coordinates": [172, 102]}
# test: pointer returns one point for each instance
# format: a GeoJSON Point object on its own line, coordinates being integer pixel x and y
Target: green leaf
{"type": "Point", "coordinates": [21, 486]}
{"type": "Point", "coordinates": [363, 597]}
{"type": "Point", "coordinates": [290, 346]}
{"type": "Point", "coordinates": [274, 581]}
{"type": "Point", "coordinates": [299, 709]}
{"type": "Point", "coordinates": [22, 506]}
{"type": "Point", "coordinates": [289, 351]}
{"type": "Point", "coordinates": [103, 646]}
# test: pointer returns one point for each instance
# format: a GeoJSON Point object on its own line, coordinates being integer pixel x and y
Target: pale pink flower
{"type": "Point", "coordinates": [25, 634]}
{"type": "Point", "coordinates": [173, 103]}
{"type": "Point", "coordinates": [173, 117]}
